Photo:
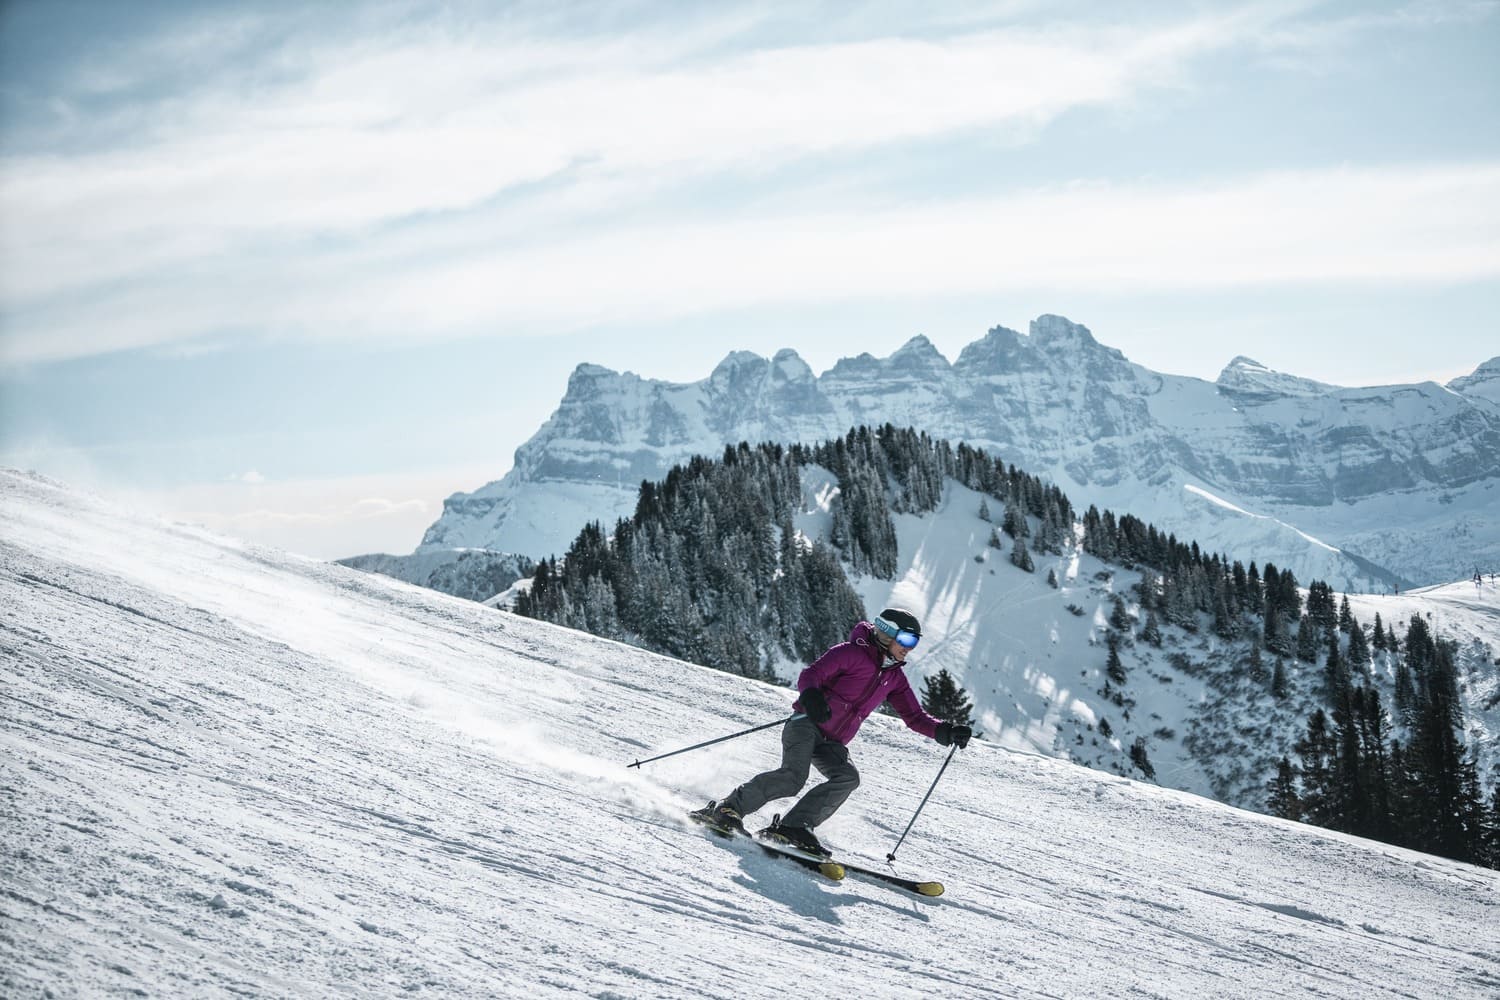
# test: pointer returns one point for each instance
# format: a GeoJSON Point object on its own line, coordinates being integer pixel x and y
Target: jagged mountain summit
{"type": "Point", "coordinates": [1484, 383]}
{"type": "Point", "coordinates": [1368, 488]}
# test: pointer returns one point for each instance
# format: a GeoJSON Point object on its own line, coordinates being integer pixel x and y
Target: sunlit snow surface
{"type": "Point", "coordinates": [228, 771]}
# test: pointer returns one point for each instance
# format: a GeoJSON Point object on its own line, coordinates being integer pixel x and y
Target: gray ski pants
{"type": "Point", "coordinates": [802, 746]}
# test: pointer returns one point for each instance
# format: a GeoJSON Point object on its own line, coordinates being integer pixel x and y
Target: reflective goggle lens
{"type": "Point", "coordinates": [904, 638]}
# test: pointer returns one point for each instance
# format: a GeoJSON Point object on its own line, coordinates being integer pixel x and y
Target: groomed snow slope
{"type": "Point", "coordinates": [229, 771]}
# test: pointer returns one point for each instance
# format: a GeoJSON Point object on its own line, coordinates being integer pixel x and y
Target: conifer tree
{"type": "Point", "coordinates": [1114, 668]}
{"type": "Point", "coordinates": [1282, 799]}
{"type": "Point", "coordinates": [1288, 597]}
{"type": "Point", "coordinates": [1140, 759]}
{"type": "Point", "coordinates": [1316, 751]}
{"type": "Point", "coordinates": [1014, 521]}
{"type": "Point", "coordinates": [1256, 668]}
{"type": "Point", "coordinates": [1491, 846]}
{"type": "Point", "coordinates": [1307, 639]}
{"type": "Point", "coordinates": [1335, 675]}
{"type": "Point", "coordinates": [1350, 800]}
{"type": "Point", "coordinates": [1273, 634]}
{"type": "Point", "coordinates": [1434, 758]}
{"type": "Point", "coordinates": [1019, 557]}
{"type": "Point", "coordinates": [1471, 812]}
{"type": "Point", "coordinates": [942, 698]}
{"type": "Point", "coordinates": [1226, 625]}
{"type": "Point", "coordinates": [1280, 687]}
{"type": "Point", "coordinates": [1405, 695]}
{"type": "Point", "coordinates": [1359, 649]}
{"type": "Point", "coordinates": [1152, 632]}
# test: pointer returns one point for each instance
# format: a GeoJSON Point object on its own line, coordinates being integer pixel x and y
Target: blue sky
{"type": "Point", "coordinates": [299, 271]}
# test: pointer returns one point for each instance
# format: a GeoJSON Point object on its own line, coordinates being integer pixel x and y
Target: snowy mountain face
{"type": "Point", "coordinates": [1366, 489]}
{"type": "Point", "coordinates": [231, 771]}
{"type": "Point", "coordinates": [1202, 710]}
{"type": "Point", "coordinates": [1484, 383]}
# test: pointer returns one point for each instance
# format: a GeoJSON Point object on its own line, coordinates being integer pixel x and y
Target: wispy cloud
{"type": "Point", "coordinates": [1413, 225]}
{"type": "Point", "coordinates": [456, 178]}
{"type": "Point", "coordinates": [1319, 37]}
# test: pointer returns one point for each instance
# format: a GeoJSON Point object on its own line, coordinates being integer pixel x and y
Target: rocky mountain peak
{"type": "Point", "coordinates": [1292, 459]}
{"type": "Point", "coordinates": [1483, 383]}
{"type": "Point", "coordinates": [737, 365]}
{"type": "Point", "coordinates": [1252, 380]}
{"type": "Point", "coordinates": [919, 351]}
{"type": "Point", "coordinates": [586, 378]}
{"type": "Point", "coordinates": [788, 366]}
{"type": "Point", "coordinates": [995, 352]}
{"type": "Point", "coordinates": [1057, 341]}
{"type": "Point", "coordinates": [1052, 332]}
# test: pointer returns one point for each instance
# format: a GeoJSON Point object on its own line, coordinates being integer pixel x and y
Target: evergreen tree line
{"type": "Point", "coordinates": [710, 569]}
{"type": "Point", "coordinates": [891, 470]}
{"type": "Point", "coordinates": [1180, 582]}
{"type": "Point", "coordinates": [1353, 773]}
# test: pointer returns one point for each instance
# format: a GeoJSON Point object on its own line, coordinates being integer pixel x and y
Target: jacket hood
{"type": "Point", "coordinates": [863, 636]}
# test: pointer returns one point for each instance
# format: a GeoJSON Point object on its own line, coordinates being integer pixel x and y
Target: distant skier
{"type": "Point", "coordinates": [837, 693]}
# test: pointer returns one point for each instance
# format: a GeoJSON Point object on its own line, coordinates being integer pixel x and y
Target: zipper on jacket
{"type": "Point", "coordinates": [879, 676]}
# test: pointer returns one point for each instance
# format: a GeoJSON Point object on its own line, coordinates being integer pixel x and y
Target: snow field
{"type": "Point", "coordinates": [228, 771]}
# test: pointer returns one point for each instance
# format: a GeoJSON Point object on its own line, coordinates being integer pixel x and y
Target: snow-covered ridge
{"type": "Point", "coordinates": [1253, 380]}
{"type": "Point", "coordinates": [230, 771]}
{"type": "Point", "coordinates": [1403, 481]}
{"type": "Point", "coordinates": [1483, 383]}
{"type": "Point", "coordinates": [1226, 505]}
{"type": "Point", "coordinates": [473, 574]}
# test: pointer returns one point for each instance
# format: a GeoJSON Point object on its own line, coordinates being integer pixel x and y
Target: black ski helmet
{"type": "Point", "coordinates": [902, 619]}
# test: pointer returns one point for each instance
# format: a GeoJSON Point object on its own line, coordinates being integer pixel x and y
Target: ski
{"type": "Point", "coordinates": [826, 867]}
{"type": "Point", "coordinates": [918, 886]}
{"type": "Point", "coordinates": [829, 869]}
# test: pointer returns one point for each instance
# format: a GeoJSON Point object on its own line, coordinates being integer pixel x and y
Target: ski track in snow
{"type": "Point", "coordinates": [232, 772]}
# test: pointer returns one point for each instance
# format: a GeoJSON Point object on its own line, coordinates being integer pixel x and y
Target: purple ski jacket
{"type": "Point", "coordinates": [855, 683]}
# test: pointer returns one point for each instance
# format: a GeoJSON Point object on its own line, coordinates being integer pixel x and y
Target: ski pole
{"type": "Point", "coordinates": [891, 857]}
{"type": "Point", "coordinates": [721, 739]}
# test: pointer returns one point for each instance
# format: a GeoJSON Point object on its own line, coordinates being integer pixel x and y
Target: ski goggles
{"type": "Point", "coordinates": [902, 637]}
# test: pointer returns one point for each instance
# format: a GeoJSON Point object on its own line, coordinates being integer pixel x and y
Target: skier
{"type": "Point", "coordinates": [837, 693]}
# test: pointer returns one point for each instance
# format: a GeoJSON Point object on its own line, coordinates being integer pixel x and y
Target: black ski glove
{"type": "Point", "coordinates": [815, 706]}
{"type": "Point", "coordinates": [948, 733]}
